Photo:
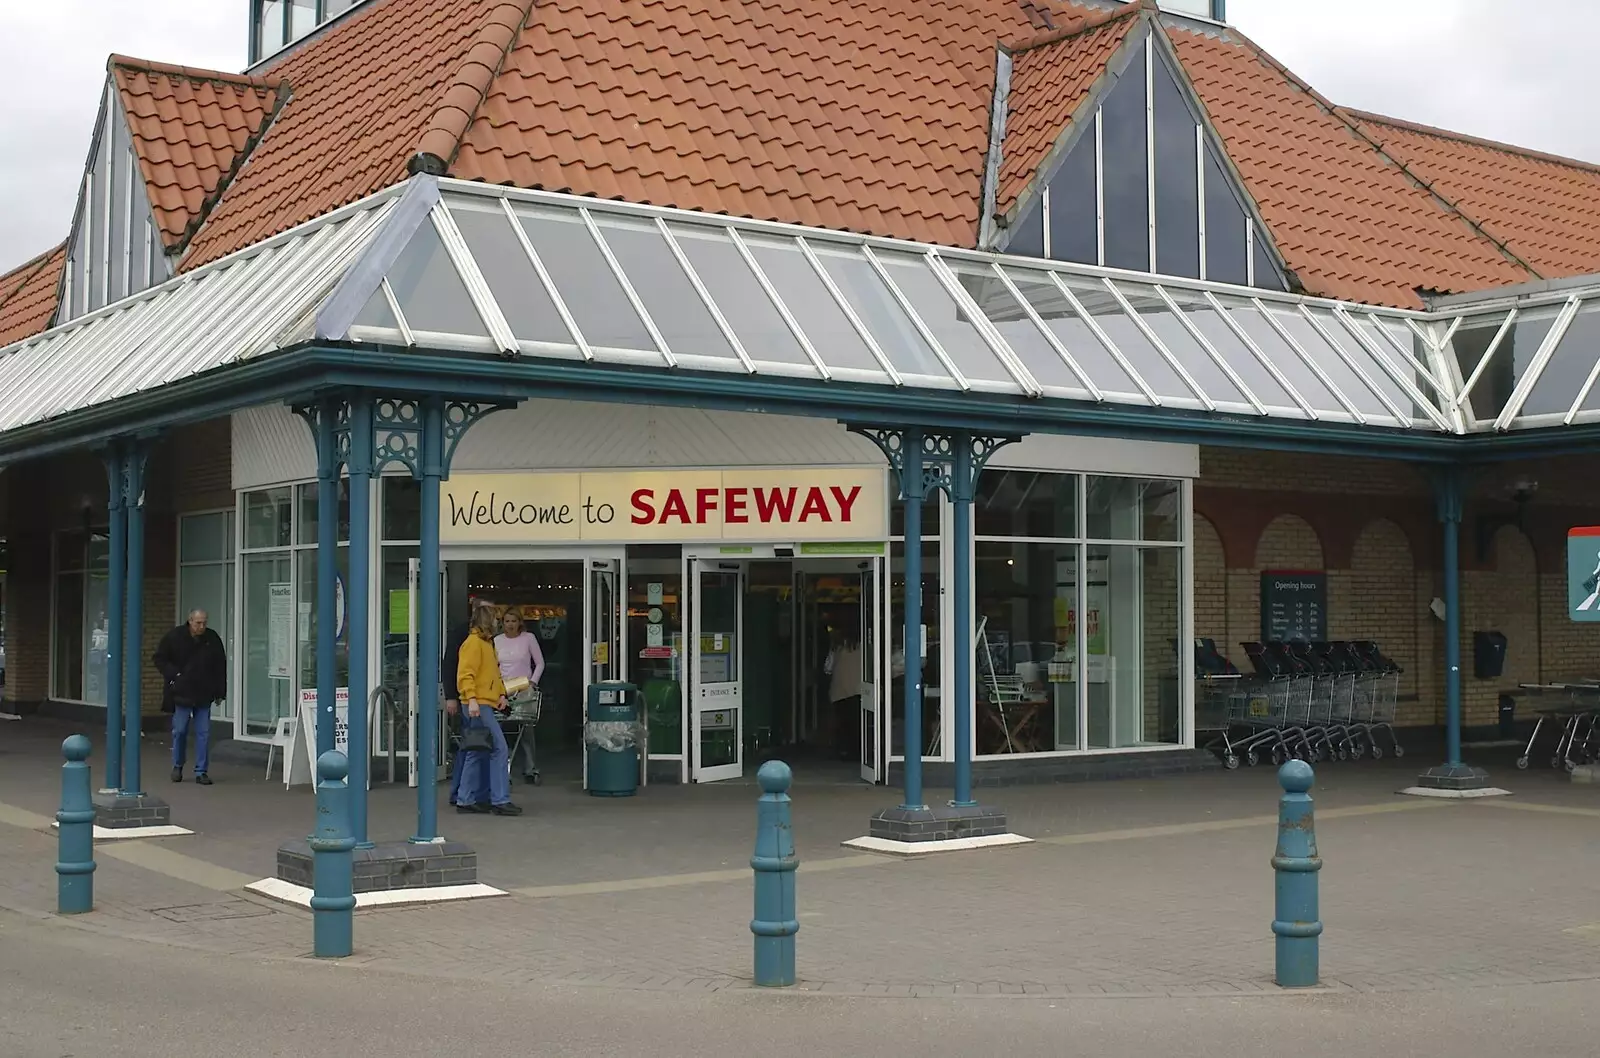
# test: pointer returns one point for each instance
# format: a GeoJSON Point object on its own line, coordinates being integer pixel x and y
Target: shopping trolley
{"type": "Point", "coordinates": [1379, 697]}
{"type": "Point", "coordinates": [524, 710]}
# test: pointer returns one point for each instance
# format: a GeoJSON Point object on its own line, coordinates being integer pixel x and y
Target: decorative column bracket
{"type": "Point", "coordinates": [397, 429]}
{"type": "Point", "coordinates": [941, 457]}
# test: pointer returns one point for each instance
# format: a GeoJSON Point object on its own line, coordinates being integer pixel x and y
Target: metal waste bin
{"type": "Point", "coordinates": [613, 737]}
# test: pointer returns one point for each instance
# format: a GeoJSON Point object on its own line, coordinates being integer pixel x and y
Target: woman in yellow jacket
{"type": "Point", "coordinates": [486, 775]}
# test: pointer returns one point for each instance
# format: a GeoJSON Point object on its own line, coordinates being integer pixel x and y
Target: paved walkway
{"type": "Point", "coordinates": [1132, 888]}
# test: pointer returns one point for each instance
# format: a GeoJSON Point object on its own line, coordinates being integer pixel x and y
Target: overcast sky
{"type": "Point", "coordinates": [1488, 67]}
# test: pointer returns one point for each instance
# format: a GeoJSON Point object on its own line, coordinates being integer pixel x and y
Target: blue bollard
{"type": "Point", "coordinates": [1296, 863]}
{"type": "Point", "coordinates": [333, 901]}
{"type": "Point", "coordinates": [75, 837]}
{"type": "Point", "coordinates": [775, 923]}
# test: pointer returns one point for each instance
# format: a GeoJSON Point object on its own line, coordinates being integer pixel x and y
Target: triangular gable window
{"type": "Point", "coordinates": [115, 249]}
{"type": "Point", "coordinates": [1101, 205]}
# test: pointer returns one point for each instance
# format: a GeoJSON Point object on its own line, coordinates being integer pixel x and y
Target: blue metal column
{"type": "Point", "coordinates": [327, 570]}
{"type": "Point", "coordinates": [133, 630]}
{"type": "Point", "coordinates": [432, 453]}
{"type": "Point", "coordinates": [912, 493]}
{"type": "Point", "coordinates": [357, 593]}
{"type": "Point", "coordinates": [961, 492]}
{"type": "Point", "coordinates": [1449, 486]}
{"type": "Point", "coordinates": [1450, 504]}
{"type": "Point", "coordinates": [116, 591]}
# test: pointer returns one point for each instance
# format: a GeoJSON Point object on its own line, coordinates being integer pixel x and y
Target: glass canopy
{"type": "Point", "coordinates": [549, 276]}
{"type": "Point", "coordinates": [449, 265]}
{"type": "Point", "coordinates": [241, 306]}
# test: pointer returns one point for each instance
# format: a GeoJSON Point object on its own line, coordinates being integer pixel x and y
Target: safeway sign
{"type": "Point", "coordinates": [682, 506]}
{"type": "Point", "coordinates": [1583, 573]}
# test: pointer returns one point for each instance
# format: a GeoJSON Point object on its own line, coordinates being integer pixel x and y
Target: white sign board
{"type": "Point", "coordinates": [299, 761]}
{"type": "Point", "coordinates": [822, 503]}
{"type": "Point", "coordinates": [280, 631]}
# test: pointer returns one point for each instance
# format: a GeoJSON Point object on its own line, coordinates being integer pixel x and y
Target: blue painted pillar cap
{"type": "Point", "coordinates": [775, 777]}
{"type": "Point", "coordinates": [76, 748]}
{"type": "Point", "coordinates": [332, 766]}
{"type": "Point", "coordinates": [1296, 776]}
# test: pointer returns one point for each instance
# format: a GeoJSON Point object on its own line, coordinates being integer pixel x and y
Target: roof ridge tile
{"type": "Point", "coordinates": [1079, 25]}
{"type": "Point", "coordinates": [190, 73]}
{"type": "Point", "coordinates": [459, 103]}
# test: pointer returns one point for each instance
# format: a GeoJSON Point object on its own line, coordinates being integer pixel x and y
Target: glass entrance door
{"type": "Point", "coordinates": [602, 632]}
{"type": "Point", "coordinates": [603, 625]}
{"type": "Point", "coordinates": [871, 690]}
{"type": "Point", "coordinates": [717, 711]}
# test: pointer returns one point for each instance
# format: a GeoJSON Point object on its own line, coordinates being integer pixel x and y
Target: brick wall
{"type": "Point", "coordinates": [1503, 598]}
{"type": "Point", "coordinates": [1210, 585]}
{"type": "Point", "coordinates": [1372, 525]}
{"type": "Point", "coordinates": [190, 470]}
{"type": "Point", "coordinates": [1162, 606]}
{"type": "Point", "coordinates": [1376, 598]}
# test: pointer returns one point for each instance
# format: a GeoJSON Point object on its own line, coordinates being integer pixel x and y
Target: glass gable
{"type": "Point", "coordinates": [1110, 202]}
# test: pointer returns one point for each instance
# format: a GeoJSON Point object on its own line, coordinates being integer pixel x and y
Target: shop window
{"type": "Point", "coordinates": [276, 640]}
{"type": "Point", "coordinates": [1028, 503]}
{"type": "Point", "coordinates": [308, 519]}
{"type": "Point", "coordinates": [205, 571]}
{"type": "Point", "coordinates": [80, 633]}
{"type": "Point", "coordinates": [1027, 701]}
{"type": "Point", "coordinates": [1133, 509]}
{"type": "Point", "coordinates": [402, 509]}
{"type": "Point", "coordinates": [1076, 641]}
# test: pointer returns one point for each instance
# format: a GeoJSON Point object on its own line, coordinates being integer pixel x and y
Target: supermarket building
{"type": "Point", "coordinates": [655, 320]}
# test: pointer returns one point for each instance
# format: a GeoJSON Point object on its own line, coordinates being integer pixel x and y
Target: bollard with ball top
{"type": "Point", "coordinates": [75, 837]}
{"type": "Point", "coordinates": [775, 922]}
{"type": "Point", "coordinates": [1296, 922]}
{"type": "Point", "coordinates": [333, 900]}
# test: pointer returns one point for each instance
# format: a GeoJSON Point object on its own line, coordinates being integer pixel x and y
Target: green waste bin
{"type": "Point", "coordinates": [612, 738]}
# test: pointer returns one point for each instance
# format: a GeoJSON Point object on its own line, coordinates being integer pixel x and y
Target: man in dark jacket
{"type": "Point", "coordinates": [194, 666]}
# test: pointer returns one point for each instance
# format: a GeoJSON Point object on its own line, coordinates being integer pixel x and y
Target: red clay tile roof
{"type": "Point", "coordinates": [862, 115]}
{"type": "Point", "coordinates": [1348, 221]}
{"type": "Point", "coordinates": [868, 116]}
{"type": "Point", "coordinates": [29, 294]}
{"type": "Point", "coordinates": [365, 97]}
{"type": "Point", "coordinates": [1051, 77]}
{"type": "Point", "coordinates": [190, 129]}
{"type": "Point", "coordinates": [1552, 218]}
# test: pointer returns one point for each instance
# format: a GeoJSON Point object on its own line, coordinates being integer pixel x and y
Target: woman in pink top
{"type": "Point", "coordinates": [518, 652]}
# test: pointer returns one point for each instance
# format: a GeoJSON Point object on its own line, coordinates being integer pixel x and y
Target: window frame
{"type": "Point", "coordinates": [232, 536]}
{"type": "Point", "coordinates": [1081, 544]}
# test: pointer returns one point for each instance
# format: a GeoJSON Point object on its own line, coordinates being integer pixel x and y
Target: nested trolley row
{"type": "Point", "coordinates": [1576, 722]}
{"type": "Point", "coordinates": [1311, 701]}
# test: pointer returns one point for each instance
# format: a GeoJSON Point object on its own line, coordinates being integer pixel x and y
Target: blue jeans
{"type": "Point", "coordinates": [476, 787]}
{"type": "Point", "coordinates": [198, 717]}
